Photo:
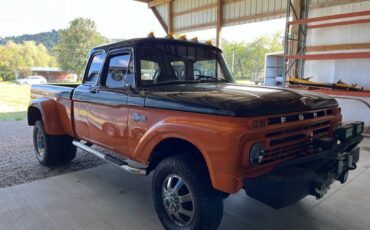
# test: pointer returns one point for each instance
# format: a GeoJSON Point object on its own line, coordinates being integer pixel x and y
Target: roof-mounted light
{"type": "Point", "coordinates": [170, 36]}
{"type": "Point", "coordinates": [209, 42]}
{"type": "Point", "coordinates": [183, 37]}
{"type": "Point", "coordinates": [151, 35]}
{"type": "Point", "coordinates": [195, 39]}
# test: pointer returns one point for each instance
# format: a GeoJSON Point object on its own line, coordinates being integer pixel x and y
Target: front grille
{"type": "Point", "coordinates": [299, 117]}
{"type": "Point", "coordinates": [294, 142]}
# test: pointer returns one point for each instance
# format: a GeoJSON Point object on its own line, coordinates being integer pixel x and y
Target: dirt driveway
{"type": "Point", "coordinates": [18, 163]}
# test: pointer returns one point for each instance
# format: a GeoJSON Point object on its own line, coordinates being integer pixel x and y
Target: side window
{"type": "Point", "coordinates": [94, 69]}
{"type": "Point", "coordinates": [149, 71]}
{"type": "Point", "coordinates": [118, 70]}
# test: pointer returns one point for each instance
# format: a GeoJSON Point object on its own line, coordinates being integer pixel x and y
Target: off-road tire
{"type": "Point", "coordinates": [51, 151]}
{"type": "Point", "coordinates": [208, 203]}
{"type": "Point", "coordinates": [57, 149]}
{"type": "Point", "coordinates": [68, 150]}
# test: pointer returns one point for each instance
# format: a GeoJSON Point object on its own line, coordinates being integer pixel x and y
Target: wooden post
{"type": "Point", "coordinates": [170, 18]}
{"type": "Point", "coordinates": [219, 23]}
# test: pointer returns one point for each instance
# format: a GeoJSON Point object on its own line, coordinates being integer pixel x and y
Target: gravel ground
{"type": "Point", "coordinates": [18, 164]}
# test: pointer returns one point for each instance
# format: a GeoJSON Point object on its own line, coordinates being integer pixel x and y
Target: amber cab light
{"type": "Point", "coordinates": [257, 123]}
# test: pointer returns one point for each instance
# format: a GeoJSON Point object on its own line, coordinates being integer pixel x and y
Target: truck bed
{"type": "Point", "coordinates": [53, 91]}
{"type": "Point", "coordinates": [60, 119]}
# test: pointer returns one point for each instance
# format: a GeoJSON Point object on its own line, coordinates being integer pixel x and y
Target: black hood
{"type": "Point", "coordinates": [234, 99]}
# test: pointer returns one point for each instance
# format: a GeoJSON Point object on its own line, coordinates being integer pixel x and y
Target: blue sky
{"type": "Point", "coordinates": [114, 19]}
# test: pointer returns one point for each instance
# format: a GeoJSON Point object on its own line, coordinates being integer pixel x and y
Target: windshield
{"type": "Point", "coordinates": [174, 64]}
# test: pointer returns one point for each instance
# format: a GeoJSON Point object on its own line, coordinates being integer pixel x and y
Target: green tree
{"type": "Point", "coordinates": [75, 43]}
{"type": "Point", "coordinates": [248, 59]}
{"type": "Point", "coordinates": [20, 57]}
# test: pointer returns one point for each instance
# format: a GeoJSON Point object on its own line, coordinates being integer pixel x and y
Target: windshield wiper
{"type": "Point", "coordinates": [205, 77]}
{"type": "Point", "coordinates": [209, 78]}
{"type": "Point", "coordinates": [170, 83]}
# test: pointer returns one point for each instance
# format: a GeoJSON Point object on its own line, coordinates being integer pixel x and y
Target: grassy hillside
{"type": "Point", "coordinates": [49, 39]}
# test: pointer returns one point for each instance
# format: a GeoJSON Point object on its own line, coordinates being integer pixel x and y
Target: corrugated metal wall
{"type": "Point", "coordinates": [186, 19]}
{"type": "Point", "coordinates": [191, 15]}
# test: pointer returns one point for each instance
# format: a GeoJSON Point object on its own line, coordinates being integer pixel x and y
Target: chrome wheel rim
{"type": "Point", "coordinates": [178, 200]}
{"type": "Point", "coordinates": [40, 144]}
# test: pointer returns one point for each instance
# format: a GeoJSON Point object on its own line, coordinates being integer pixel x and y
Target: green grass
{"type": "Point", "coordinates": [14, 100]}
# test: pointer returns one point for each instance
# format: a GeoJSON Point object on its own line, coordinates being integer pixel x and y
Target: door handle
{"type": "Point", "coordinates": [137, 117]}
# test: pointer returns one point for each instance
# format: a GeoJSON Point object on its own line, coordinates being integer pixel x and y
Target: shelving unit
{"type": "Point", "coordinates": [297, 27]}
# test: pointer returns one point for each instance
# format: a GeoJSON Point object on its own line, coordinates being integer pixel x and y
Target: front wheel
{"type": "Point", "coordinates": [184, 197]}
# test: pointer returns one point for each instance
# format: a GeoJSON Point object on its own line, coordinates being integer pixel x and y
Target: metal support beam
{"type": "Point", "coordinates": [295, 38]}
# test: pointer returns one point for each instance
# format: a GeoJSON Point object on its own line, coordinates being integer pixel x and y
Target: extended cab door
{"type": "Point", "coordinates": [101, 106]}
{"type": "Point", "coordinates": [82, 95]}
{"type": "Point", "coordinates": [108, 111]}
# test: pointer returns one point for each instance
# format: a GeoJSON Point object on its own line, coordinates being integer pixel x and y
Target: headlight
{"type": "Point", "coordinates": [256, 154]}
{"type": "Point", "coordinates": [359, 127]}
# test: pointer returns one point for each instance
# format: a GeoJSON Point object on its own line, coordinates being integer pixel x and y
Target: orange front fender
{"type": "Point", "coordinates": [214, 139]}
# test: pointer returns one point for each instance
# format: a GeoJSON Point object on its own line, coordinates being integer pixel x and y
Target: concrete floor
{"type": "Point", "coordinates": [108, 198]}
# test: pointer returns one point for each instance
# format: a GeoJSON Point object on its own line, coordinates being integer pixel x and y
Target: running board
{"type": "Point", "coordinates": [112, 160]}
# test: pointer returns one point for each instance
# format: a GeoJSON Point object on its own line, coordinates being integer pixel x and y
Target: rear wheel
{"type": "Point", "coordinates": [184, 197]}
{"type": "Point", "coordinates": [69, 150]}
{"type": "Point", "coordinates": [51, 149]}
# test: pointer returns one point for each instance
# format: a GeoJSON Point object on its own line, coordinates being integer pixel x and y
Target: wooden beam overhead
{"type": "Point", "coordinates": [154, 3]}
{"type": "Point", "coordinates": [336, 3]}
{"type": "Point", "coordinates": [353, 46]}
{"type": "Point", "coordinates": [333, 56]}
{"type": "Point", "coordinates": [333, 24]}
{"type": "Point", "coordinates": [170, 18]}
{"type": "Point", "coordinates": [331, 17]}
{"type": "Point", "coordinates": [160, 19]}
{"type": "Point", "coordinates": [219, 23]}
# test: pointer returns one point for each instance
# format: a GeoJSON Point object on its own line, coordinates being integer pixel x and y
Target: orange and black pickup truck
{"type": "Point", "coordinates": [173, 107]}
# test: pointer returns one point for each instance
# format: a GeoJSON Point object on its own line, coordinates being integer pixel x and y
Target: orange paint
{"type": "Point", "coordinates": [223, 141]}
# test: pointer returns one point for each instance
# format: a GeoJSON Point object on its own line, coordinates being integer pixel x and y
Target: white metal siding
{"type": "Point", "coordinates": [350, 71]}
{"type": "Point", "coordinates": [247, 11]}
{"type": "Point", "coordinates": [163, 11]}
{"type": "Point", "coordinates": [234, 13]}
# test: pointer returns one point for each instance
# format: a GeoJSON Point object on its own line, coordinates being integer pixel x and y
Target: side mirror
{"type": "Point", "coordinates": [129, 80]}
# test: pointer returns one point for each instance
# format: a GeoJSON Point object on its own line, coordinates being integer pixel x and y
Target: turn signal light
{"type": "Point", "coordinates": [257, 124]}
{"type": "Point", "coordinates": [336, 111]}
